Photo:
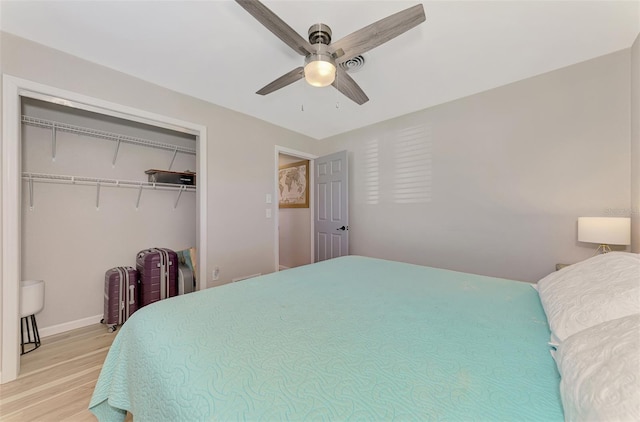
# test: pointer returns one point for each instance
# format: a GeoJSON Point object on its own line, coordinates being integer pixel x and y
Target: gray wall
{"type": "Point", "coordinates": [494, 183]}
{"type": "Point", "coordinates": [498, 179]}
{"type": "Point", "coordinates": [635, 146]}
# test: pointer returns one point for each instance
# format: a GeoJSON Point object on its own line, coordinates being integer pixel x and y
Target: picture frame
{"type": "Point", "coordinates": [293, 191]}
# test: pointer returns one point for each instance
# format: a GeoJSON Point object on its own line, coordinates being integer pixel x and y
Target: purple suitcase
{"type": "Point", "coordinates": [158, 268]}
{"type": "Point", "coordinates": [120, 295]}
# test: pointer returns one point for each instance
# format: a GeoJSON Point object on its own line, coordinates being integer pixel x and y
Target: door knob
{"type": "Point", "coordinates": [343, 228]}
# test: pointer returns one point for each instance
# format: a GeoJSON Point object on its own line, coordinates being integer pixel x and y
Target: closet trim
{"type": "Point", "coordinates": [11, 178]}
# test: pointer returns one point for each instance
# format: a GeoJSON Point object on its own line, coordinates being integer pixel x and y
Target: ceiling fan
{"type": "Point", "coordinates": [322, 57]}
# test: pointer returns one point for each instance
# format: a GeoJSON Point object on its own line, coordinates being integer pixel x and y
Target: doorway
{"type": "Point", "coordinates": [294, 244]}
{"type": "Point", "coordinates": [14, 90]}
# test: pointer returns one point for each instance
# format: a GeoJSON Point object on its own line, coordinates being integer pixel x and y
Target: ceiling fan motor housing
{"type": "Point", "coordinates": [319, 33]}
{"type": "Point", "coordinates": [322, 53]}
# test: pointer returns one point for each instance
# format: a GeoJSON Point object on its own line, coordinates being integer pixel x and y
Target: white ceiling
{"type": "Point", "coordinates": [216, 51]}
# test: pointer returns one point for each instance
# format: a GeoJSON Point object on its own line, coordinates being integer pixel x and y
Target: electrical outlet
{"type": "Point", "coordinates": [216, 273]}
{"type": "Point", "coordinates": [267, 213]}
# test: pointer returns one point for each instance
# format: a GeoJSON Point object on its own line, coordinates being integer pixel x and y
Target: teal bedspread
{"type": "Point", "coordinates": [349, 338]}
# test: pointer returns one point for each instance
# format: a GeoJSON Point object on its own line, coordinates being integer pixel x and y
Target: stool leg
{"type": "Point", "coordinates": [36, 334]}
{"type": "Point", "coordinates": [22, 321]}
{"type": "Point", "coordinates": [29, 329]}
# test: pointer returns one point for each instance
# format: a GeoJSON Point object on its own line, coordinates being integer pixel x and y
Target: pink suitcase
{"type": "Point", "coordinates": [158, 268]}
{"type": "Point", "coordinates": [120, 295]}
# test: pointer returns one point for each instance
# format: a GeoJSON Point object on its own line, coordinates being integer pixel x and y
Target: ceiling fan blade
{"type": "Point", "coordinates": [273, 23]}
{"type": "Point", "coordinates": [345, 84]}
{"type": "Point", "coordinates": [284, 80]}
{"type": "Point", "coordinates": [377, 33]}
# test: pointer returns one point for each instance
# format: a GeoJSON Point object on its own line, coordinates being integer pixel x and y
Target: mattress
{"type": "Point", "coordinates": [348, 338]}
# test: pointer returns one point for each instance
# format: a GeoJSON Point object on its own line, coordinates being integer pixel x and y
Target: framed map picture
{"type": "Point", "coordinates": [293, 184]}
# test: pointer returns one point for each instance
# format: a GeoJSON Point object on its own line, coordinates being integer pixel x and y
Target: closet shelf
{"type": "Point", "coordinates": [100, 182]}
{"type": "Point", "coordinates": [55, 126]}
{"type": "Point", "coordinates": [81, 180]}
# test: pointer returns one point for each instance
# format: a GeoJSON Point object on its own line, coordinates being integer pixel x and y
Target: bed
{"type": "Point", "coordinates": [349, 338]}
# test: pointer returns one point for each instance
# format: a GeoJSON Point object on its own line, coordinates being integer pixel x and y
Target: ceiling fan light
{"type": "Point", "coordinates": [319, 73]}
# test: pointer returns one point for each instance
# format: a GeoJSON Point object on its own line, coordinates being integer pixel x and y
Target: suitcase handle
{"type": "Point", "coordinates": [141, 253]}
{"type": "Point", "coordinates": [121, 312]}
{"type": "Point", "coordinates": [132, 299]}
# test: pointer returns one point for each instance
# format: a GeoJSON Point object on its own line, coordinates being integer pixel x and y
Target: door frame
{"type": "Point", "coordinates": [13, 89]}
{"type": "Point", "coordinates": [276, 194]}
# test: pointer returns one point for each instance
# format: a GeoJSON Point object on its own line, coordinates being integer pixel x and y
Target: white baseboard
{"type": "Point", "coordinates": [282, 267]}
{"type": "Point", "coordinates": [68, 326]}
{"type": "Point", "coordinates": [233, 280]}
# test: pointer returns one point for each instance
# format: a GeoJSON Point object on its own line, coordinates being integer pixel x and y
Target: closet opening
{"type": "Point", "coordinates": [77, 201]}
{"type": "Point", "coordinates": [88, 205]}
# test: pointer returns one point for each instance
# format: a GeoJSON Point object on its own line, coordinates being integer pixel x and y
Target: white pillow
{"type": "Point", "coordinates": [600, 369]}
{"type": "Point", "coordinates": [599, 289]}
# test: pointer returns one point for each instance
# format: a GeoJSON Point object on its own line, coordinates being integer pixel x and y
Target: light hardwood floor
{"type": "Point", "coordinates": [56, 380]}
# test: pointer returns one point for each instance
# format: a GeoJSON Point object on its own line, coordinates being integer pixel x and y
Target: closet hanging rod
{"type": "Point", "coordinates": [34, 121]}
{"type": "Point", "coordinates": [80, 180]}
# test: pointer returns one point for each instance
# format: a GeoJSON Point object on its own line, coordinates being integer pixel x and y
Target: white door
{"type": "Point", "coordinates": [331, 232]}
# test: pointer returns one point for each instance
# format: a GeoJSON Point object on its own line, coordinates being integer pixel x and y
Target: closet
{"type": "Point", "coordinates": [87, 204]}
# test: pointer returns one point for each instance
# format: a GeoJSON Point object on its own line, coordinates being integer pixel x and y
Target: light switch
{"type": "Point", "coordinates": [268, 198]}
{"type": "Point", "coordinates": [267, 213]}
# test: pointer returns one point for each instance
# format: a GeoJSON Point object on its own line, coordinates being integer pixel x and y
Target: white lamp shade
{"type": "Point", "coordinates": [320, 73]}
{"type": "Point", "coordinates": [605, 230]}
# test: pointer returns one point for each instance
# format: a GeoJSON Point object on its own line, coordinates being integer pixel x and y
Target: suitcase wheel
{"type": "Point", "coordinates": [112, 328]}
{"type": "Point", "coordinates": [102, 321]}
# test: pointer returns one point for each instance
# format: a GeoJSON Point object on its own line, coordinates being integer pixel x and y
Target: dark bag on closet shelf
{"type": "Point", "coordinates": [120, 295]}
{"type": "Point", "coordinates": [158, 268]}
{"type": "Point", "coordinates": [175, 177]}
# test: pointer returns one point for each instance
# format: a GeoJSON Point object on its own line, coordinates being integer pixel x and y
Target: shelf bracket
{"type": "Point", "coordinates": [182, 189]}
{"type": "Point", "coordinates": [98, 195]}
{"type": "Point", "coordinates": [115, 154]}
{"type": "Point", "coordinates": [139, 195]}
{"type": "Point", "coordinates": [175, 152]}
{"type": "Point", "coordinates": [53, 142]}
{"type": "Point", "coordinates": [30, 193]}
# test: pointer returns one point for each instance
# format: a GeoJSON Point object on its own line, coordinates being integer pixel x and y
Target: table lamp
{"type": "Point", "coordinates": [604, 231]}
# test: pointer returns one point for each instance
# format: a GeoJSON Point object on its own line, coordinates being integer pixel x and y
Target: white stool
{"type": "Point", "coordinates": [31, 302]}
